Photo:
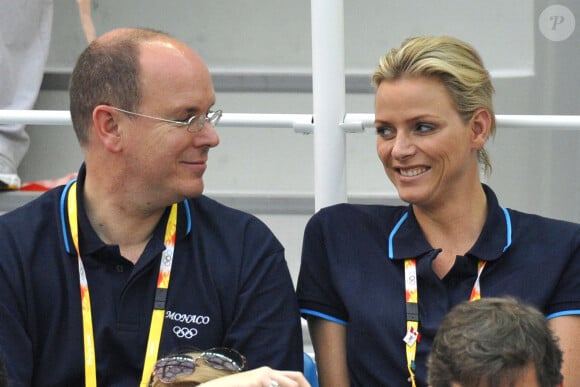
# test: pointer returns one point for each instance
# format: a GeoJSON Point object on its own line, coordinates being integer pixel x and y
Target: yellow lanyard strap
{"type": "Point", "coordinates": [160, 298]}
{"type": "Point", "coordinates": [160, 295]}
{"type": "Point", "coordinates": [412, 309]}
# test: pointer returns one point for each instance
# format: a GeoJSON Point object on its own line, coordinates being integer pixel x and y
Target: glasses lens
{"type": "Point", "coordinates": [215, 117]}
{"type": "Point", "coordinates": [224, 359]}
{"type": "Point", "coordinates": [193, 124]}
{"type": "Point", "coordinates": [196, 123]}
{"type": "Point", "coordinates": [170, 368]}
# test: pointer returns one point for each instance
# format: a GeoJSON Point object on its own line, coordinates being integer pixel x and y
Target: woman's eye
{"type": "Point", "coordinates": [424, 128]}
{"type": "Point", "coordinates": [385, 132]}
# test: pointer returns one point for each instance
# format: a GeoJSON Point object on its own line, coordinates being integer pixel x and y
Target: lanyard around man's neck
{"type": "Point", "coordinates": [160, 295]}
{"type": "Point", "coordinates": [413, 336]}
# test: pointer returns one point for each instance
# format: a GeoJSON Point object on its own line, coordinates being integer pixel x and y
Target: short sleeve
{"type": "Point", "coordinates": [317, 295]}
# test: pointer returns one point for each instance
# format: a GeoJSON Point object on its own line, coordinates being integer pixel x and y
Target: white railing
{"type": "Point", "coordinates": [301, 123]}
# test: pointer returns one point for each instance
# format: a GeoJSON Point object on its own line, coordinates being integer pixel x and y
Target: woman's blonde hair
{"type": "Point", "coordinates": [455, 63]}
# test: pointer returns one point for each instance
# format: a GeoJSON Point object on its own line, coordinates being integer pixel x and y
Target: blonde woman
{"type": "Point", "coordinates": [376, 281]}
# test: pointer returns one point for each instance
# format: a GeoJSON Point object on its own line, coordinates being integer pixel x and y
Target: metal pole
{"type": "Point", "coordinates": [328, 84]}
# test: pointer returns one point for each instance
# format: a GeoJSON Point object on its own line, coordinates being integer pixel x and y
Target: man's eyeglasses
{"type": "Point", "coordinates": [171, 368]}
{"type": "Point", "coordinates": [193, 124]}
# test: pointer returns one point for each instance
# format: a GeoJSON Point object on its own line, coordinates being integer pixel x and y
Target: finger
{"type": "Point", "coordinates": [288, 379]}
{"type": "Point", "coordinates": [297, 377]}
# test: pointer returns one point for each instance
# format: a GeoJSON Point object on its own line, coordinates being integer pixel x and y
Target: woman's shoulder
{"type": "Point", "coordinates": [537, 229]}
{"type": "Point", "coordinates": [356, 213]}
{"type": "Point", "coordinates": [532, 221]}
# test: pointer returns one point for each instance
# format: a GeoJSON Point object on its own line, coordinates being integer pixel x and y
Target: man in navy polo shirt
{"type": "Point", "coordinates": [131, 262]}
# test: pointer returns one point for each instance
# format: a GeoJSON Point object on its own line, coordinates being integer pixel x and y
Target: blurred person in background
{"type": "Point", "coordinates": [25, 33]}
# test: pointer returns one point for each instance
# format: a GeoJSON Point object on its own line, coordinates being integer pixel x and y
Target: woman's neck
{"type": "Point", "coordinates": [454, 228]}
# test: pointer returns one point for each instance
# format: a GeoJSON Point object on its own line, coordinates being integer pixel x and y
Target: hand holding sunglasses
{"type": "Point", "coordinates": [197, 367]}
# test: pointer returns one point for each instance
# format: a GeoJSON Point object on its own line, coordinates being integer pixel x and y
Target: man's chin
{"type": "Point", "coordinates": [192, 191]}
{"type": "Point", "coordinates": [194, 194]}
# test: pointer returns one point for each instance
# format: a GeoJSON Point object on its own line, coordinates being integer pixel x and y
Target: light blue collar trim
{"type": "Point", "coordinates": [392, 236]}
{"type": "Point", "coordinates": [63, 215]}
{"type": "Point", "coordinates": [508, 224]}
{"type": "Point", "coordinates": [188, 212]}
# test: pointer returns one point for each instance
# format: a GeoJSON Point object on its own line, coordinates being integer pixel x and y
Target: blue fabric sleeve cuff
{"type": "Point", "coordinates": [314, 313]}
{"type": "Point", "coordinates": [563, 313]}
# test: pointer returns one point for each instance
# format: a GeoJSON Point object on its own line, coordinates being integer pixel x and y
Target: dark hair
{"type": "Point", "coordinates": [107, 73]}
{"type": "Point", "coordinates": [493, 340]}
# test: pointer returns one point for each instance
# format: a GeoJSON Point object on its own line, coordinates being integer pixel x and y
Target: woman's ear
{"type": "Point", "coordinates": [480, 127]}
{"type": "Point", "coordinates": [106, 127]}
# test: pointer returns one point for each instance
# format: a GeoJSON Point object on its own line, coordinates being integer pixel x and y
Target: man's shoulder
{"type": "Point", "coordinates": [210, 213]}
{"type": "Point", "coordinates": [44, 207]}
{"type": "Point", "coordinates": [33, 230]}
{"type": "Point", "coordinates": [224, 227]}
{"type": "Point", "coordinates": [210, 207]}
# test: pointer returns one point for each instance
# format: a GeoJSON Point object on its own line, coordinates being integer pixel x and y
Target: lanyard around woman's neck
{"type": "Point", "coordinates": [160, 295]}
{"type": "Point", "coordinates": [413, 336]}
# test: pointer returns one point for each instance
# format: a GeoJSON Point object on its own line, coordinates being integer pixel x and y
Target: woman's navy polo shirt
{"type": "Point", "coordinates": [352, 273]}
{"type": "Point", "coordinates": [230, 286]}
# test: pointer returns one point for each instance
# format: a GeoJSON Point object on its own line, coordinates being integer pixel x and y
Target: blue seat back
{"type": "Point", "coordinates": [310, 370]}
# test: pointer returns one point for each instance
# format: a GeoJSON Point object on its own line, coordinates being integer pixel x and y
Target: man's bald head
{"type": "Point", "coordinates": [108, 72]}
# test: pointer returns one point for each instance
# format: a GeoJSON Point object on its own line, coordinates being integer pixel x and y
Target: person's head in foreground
{"type": "Point", "coordinates": [494, 342]}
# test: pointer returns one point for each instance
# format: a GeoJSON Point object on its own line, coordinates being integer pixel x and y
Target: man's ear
{"type": "Point", "coordinates": [106, 127]}
{"type": "Point", "coordinates": [480, 127]}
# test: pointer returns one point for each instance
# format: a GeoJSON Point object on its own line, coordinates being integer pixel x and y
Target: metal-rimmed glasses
{"type": "Point", "coordinates": [193, 124]}
{"type": "Point", "coordinates": [169, 369]}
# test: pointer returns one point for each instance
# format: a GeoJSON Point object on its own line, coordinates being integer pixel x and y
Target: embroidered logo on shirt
{"type": "Point", "coordinates": [186, 332]}
{"type": "Point", "coordinates": [187, 318]}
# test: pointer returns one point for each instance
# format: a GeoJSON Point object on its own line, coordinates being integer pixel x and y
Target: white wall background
{"type": "Point", "coordinates": [260, 40]}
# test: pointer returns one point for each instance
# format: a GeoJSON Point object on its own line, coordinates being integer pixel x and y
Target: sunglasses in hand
{"type": "Point", "coordinates": [197, 367]}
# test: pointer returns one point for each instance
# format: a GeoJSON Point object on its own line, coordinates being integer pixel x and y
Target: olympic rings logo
{"type": "Point", "coordinates": [184, 332]}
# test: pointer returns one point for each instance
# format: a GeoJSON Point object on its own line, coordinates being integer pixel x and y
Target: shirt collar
{"type": "Point", "coordinates": [406, 239]}
{"type": "Point", "coordinates": [89, 239]}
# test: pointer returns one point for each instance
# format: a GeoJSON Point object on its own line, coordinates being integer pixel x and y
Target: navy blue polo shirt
{"type": "Point", "coordinates": [352, 273]}
{"type": "Point", "coordinates": [230, 286]}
